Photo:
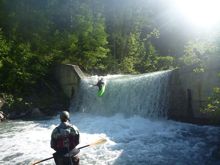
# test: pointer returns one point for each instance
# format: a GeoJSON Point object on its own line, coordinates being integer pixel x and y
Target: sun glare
{"type": "Point", "coordinates": [200, 13]}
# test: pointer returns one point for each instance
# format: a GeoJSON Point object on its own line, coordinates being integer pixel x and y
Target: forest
{"type": "Point", "coordinates": [101, 37]}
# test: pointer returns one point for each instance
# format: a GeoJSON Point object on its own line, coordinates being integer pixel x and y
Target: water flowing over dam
{"type": "Point", "coordinates": [145, 95]}
{"type": "Point", "coordinates": [131, 115]}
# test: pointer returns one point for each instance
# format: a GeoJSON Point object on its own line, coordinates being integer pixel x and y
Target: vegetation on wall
{"type": "Point", "coordinates": [213, 105]}
{"type": "Point", "coordinates": [203, 55]}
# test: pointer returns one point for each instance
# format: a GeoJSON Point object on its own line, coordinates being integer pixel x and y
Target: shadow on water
{"type": "Point", "coordinates": [8, 158]}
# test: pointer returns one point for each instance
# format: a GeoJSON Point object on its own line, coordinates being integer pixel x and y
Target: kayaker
{"type": "Point", "coordinates": [100, 83]}
{"type": "Point", "coordinates": [64, 139]}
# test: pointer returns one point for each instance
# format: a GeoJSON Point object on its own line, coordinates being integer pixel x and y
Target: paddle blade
{"type": "Point", "coordinates": [100, 141]}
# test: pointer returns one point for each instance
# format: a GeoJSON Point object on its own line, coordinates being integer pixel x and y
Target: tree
{"type": "Point", "coordinates": [4, 50]}
{"type": "Point", "coordinates": [198, 54]}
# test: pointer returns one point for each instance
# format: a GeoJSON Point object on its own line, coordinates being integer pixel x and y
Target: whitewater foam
{"type": "Point", "coordinates": [130, 140]}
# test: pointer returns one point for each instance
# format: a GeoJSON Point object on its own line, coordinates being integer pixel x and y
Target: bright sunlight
{"type": "Point", "coordinates": [200, 13]}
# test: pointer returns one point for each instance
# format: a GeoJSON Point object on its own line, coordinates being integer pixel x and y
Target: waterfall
{"type": "Point", "coordinates": [145, 95]}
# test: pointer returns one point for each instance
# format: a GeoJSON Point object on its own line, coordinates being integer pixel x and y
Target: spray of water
{"type": "Point", "coordinates": [130, 140]}
{"type": "Point", "coordinates": [145, 95]}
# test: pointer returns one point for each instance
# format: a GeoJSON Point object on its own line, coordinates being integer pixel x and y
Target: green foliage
{"type": "Point", "coordinates": [135, 48]}
{"type": "Point", "coordinates": [39, 37]}
{"type": "Point", "coordinates": [130, 30]}
{"type": "Point", "coordinates": [165, 62]}
{"type": "Point", "coordinates": [14, 103]}
{"type": "Point", "coordinates": [8, 98]}
{"type": "Point", "coordinates": [127, 65]}
{"type": "Point", "coordinates": [79, 35]}
{"type": "Point", "coordinates": [89, 40]}
{"type": "Point", "coordinates": [150, 59]}
{"type": "Point", "coordinates": [4, 49]}
{"type": "Point", "coordinates": [197, 54]}
{"type": "Point", "coordinates": [22, 67]}
{"type": "Point", "coordinates": [99, 36]}
{"type": "Point", "coordinates": [213, 106]}
{"type": "Point", "coordinates": [4, 46]}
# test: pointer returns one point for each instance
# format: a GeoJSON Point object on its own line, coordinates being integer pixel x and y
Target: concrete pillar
{"type": "Point", "coordinates": [68, 76]}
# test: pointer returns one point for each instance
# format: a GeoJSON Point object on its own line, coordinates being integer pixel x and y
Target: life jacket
{"type": "Point", "coordinates": [67, 139]}
{"type": "Point", "coordinates": [100, 84]}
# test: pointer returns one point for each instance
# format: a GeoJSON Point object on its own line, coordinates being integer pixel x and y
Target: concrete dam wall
{"type": "Point", "coordinates": [68, 76]}
{"type": "Point", "coordinates": [188, 91]}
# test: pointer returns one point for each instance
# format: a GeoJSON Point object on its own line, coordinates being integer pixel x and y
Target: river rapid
{"type": "Point", "coordinates": [130, 141]}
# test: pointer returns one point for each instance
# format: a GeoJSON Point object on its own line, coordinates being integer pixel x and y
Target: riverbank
{"type": "Point", "coordinates": [43, 100]}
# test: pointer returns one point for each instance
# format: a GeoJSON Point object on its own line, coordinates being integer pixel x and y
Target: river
{"type": "Point", "coordinates": [131, 117]}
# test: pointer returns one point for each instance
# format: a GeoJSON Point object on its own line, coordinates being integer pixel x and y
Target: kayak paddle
{"type": "Point", "coordinates": [100, 141]}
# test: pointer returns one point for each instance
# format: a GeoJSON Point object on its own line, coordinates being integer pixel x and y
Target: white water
{"type": "Point", "coordinates": [145, 95]}
{"type": "Point", "coordinates": [133, 139]}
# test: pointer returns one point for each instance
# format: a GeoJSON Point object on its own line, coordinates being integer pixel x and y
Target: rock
{"type": "Point", "coordinates": [2, 116]}
{"type": "Point", "coordinates": [17, 115]}
{"type": "Point", "coordinates": [36, 113]}
{"type": "Point", "coordinates": [1, 102]}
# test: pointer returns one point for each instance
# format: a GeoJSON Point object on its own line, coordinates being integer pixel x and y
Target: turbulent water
{"type": "Point", "coordinates": [131, 141]}
{"type": "Point", "coordinates": [145, 95]}
{"type": "Point", "coordinates": [136, 129]}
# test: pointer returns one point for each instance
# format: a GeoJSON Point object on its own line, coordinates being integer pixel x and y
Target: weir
{"type": "Point", "coordinates": [145, 95]}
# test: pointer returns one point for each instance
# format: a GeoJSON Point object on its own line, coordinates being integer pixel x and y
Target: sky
{"type": "Point", "coordinates": [199, 14]}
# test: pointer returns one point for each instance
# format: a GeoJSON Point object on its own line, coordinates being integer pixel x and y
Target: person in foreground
{"type": "Point", "coordinates": [64, 139]}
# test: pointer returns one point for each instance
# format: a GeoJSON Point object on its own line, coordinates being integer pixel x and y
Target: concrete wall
{"type": "Point", "coordinates": [68, 76]}
{"type": "Point", "coordinates": [189, 92]}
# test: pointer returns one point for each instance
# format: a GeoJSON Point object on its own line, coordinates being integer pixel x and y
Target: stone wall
{"type": "Point", "coordinates": [189, 92]}
{"type": "Point", "coordinates": [68, 76]}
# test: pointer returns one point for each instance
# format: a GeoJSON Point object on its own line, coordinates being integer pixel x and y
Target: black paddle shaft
{"type": "Point", "coordinates": [83, 147]}
{"type": "Point", "coordinates": [52, 156]}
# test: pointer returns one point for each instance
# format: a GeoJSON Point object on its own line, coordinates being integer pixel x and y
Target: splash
{"type": "Point", "coordinates": [145, 95]}
{"type": "Point", "coordinates": [130, 140]}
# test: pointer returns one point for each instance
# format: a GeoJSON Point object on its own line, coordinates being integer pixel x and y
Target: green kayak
{"type": "Point", "coordinates": [102, 91]}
